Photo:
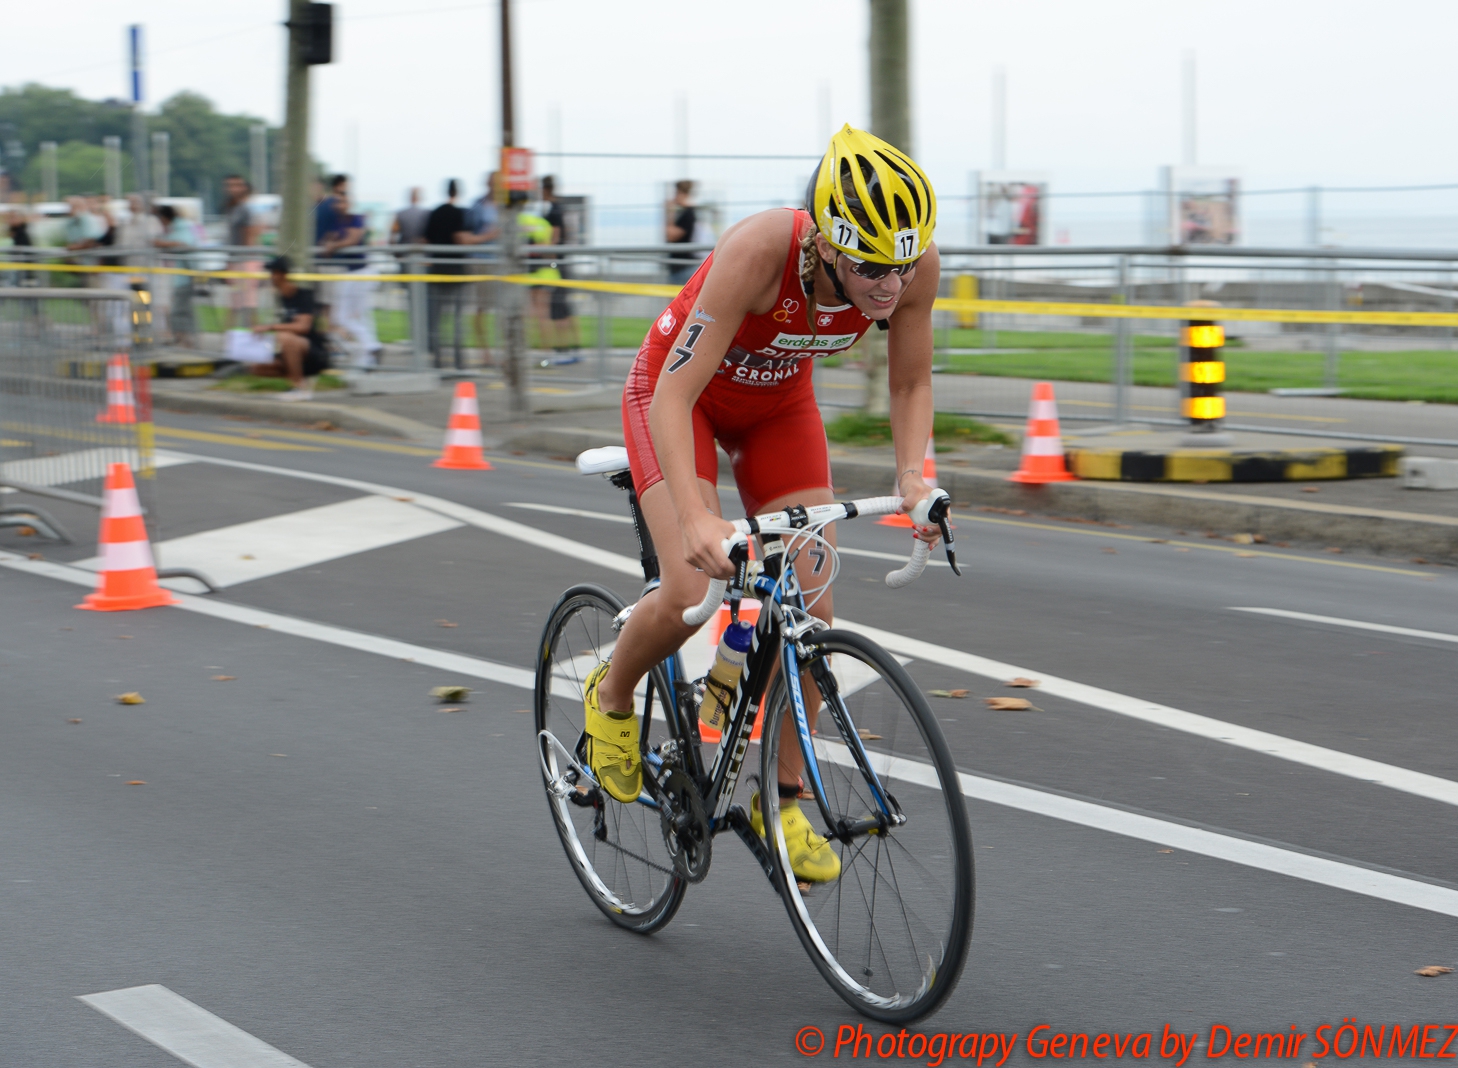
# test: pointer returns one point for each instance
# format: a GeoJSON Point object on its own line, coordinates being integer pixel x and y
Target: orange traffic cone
{"type": "Point", "coordinates": [1042, 444]}
{"type": "Point", "coordinates": [748, 613]}
{"type": "Point", "coordinates": [928, 475]}
{"type": "Point", "coordinates": [128, 578]}
{"type": "Point", "coordinates": [463, 433]}
{"type": "Point", "coordinates": [121, 407]}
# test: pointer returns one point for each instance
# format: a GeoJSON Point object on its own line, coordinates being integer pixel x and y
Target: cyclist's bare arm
{"type": "Point", "coordinates": [743, 279]}
{"type": "Point", "coordinates": [909, 365]}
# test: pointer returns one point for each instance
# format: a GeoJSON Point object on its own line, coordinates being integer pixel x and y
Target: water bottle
{"type": "Point", "coordinates": [723, 680]}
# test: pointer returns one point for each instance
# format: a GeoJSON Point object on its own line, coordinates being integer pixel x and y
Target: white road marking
{"type": "Point", "coordinates": [1356, 624]}
{"type": "Point", "coordinates": [606, 517]}
{"type": "Point", "coordinates": [190, 1033]}
{"type": "Point", "coordinates": [1315, 756]}
{"type": "Point", "coordinates": [457, 663]}
{"type": "Point", "coordinates": [79, 465]}
{"type": "Point", "coordinates": [472, 517]}
{"type": "Point", "coordinates": [899, 558]}
{"type": "Point", "coordinates": [1334, 873]}
{"type": "Point", "coordinates": [1289, 862]}
{"type": "Point", "coordinates": [272, 546]}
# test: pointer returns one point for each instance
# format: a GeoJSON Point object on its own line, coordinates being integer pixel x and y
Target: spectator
{"type": "Point", "coordinates": [85, 230]}
{"type": "Point", "coordinates": [326, 221]}
{"type": "Point", "coordinates": [137, 234]}
{"type": "Point", "coordinates": [243, 233]}
{"type": "Point", "coordinates": [302, 352]}
{"type": "Point", "coordinates": [680, 219]}
{"type": "Point", "coordinates": [484, 220]}
{"type": "Point", "coordinates": [177, 236]}
{"type": "Point", "coordinates": [563, 333]}
{"type": "Point", "coordinates": [536, 230]}
{"type": "Point", "coordinates": [353, 309]}
{"type": "Point", "coordinates": [447, 226]}
{"type": "Point", "coordinates": [409, 225]}
{"type": "Point", "coordinates": [114, 312]}
{"type": "Point", "coordinates": [19, 227]}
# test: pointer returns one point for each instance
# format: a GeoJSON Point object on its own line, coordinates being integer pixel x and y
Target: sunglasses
{"type": "Point", "coordinates": [875, 271]}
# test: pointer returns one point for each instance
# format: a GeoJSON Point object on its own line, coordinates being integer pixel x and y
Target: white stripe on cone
{"type": "Point", "coordinates": [125, 556]}
{"type": "Point", "coordinates": [121, 503]}
{"type": "Point", "coordinates": [464, 406]}
{"type": "Point", "coordinates": [1043, 447]}
{"type": "Point", "coordinates": [1044, 409]}
{"type": "Point", "coordinates": [458, 436]}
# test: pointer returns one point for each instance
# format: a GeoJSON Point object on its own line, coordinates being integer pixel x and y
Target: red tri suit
{"type": "Point", "coordinates": [760, 404]}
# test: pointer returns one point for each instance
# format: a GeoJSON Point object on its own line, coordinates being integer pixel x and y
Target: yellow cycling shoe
{"type": "Point", "coordinates": [612, 743]}
{"type": "Point", "coordinates": [811, 858]}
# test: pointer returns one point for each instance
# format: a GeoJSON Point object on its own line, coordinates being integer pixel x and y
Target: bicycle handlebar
{"type": "Point", "coordinates": [818, 515]}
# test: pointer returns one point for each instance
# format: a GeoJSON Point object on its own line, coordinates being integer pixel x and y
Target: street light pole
{"type": "Point", "coordinates": [513, 332]}
{"type": "Point", "coordinates": [295, 239]}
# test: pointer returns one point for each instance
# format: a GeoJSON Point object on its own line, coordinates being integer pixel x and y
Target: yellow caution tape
{"type": "Point", "coordinates": [950, 304]}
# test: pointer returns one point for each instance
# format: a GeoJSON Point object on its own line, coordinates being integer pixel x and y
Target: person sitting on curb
{"type": "Point", "coordinates": [302, 352]}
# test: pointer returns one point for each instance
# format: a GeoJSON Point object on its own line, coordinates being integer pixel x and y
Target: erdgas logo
{"type": "Point", "coordinates": [812, 343]}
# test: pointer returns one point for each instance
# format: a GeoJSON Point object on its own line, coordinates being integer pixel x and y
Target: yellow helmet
{"type": "Point", "coordinates": [870, 201]}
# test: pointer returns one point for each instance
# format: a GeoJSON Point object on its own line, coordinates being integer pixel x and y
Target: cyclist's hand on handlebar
{"type": "Point", "coordinates": [703, 536]}
{"type": "Point", "coordinates": [915, 490]}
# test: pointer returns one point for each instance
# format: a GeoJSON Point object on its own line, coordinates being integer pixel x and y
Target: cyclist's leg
{"type": "Point", "coordinates": [794, 428]}
{"type": "Point", "coordinates": [656, 628]}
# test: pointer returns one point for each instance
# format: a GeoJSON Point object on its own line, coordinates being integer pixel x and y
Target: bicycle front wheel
{"type": "Point", "coordinates": [617, 851]}
{"type": "Point", "coordinates": [891, 934]}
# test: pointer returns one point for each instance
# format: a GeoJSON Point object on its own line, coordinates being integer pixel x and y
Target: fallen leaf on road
{"type": "Point", "coordinates": [34, 556]}
{"type": "Point", "coordinates": [1310, 489]}
{"type": "Point", "coordinates": [25, 532]}
{"type": "Point", "coordinates": [523, 711]}
{"type": "Point", "coordinates": [1248, 556]}
{"type": "Point", "coordinates": [1110, 549]}
{"type": "Point", "coordinates": [1418, 560]}
{"type": "Point", "coordinates": [135, 782]}
{"type": "Point", "coordinates": [867, 736]}
{"type": "Point", "coordinates": [1021, 683]}
{"type": "Point", "coordinates": [1333, 549]}
{"type": "Point", "coordinates": [448, 710]}
{"type": "Point", "coordinates": [407, 500]}
{"type": "Point", "coordinates": [278, 754]}
{"type": "Point", "coordinates": [1180, 549]}
{"type": "Point", "coordinates": [73, 721]}
{"type": "Point", "coordinates": [1243, 539]}
{"type": "Point", "coordinates": [1259, 539]}
{"type": "Point", "coordinates": [1432, 971]}
{"type": "Point", "coordinates": [445, 623]}
{"type": "Point", "coordinates": [1164, 851]}
{"type": "Point", "coordinates": [122, 637]}
{"type": "Point", "coordinates": [447, 694]}
{"type": "Point", "coordinates": [1010, 704]}
{"type": "Point", "coordinates": [1158, 541]}
{"type": "Point", "coordinates": [247, 556]}
{"type": "Point", "coordinates": [224, 678]}
{"type": "Point", "coordinates": [130, 699]}
{"type": "Point", "coordinates": [946, 693]}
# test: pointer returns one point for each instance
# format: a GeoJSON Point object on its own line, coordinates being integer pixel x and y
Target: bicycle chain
{"type": "Point", "coordinates": [635, 856]}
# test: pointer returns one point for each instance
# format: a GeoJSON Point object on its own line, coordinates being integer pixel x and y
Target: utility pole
{"type": "Point", "coordinates": [890, 81]}
{"type": "Point", "coordinates": [111, 166]}
{"type": "Point", "coordinates": [162, 163]}
{"type": "Point", "coordinates": [890, 121]}
{"type": "Point", "coordinates": [295, 238]}
{"type": "Point", "coordinates": [258, 157]}
{"type": "Point", "coordinates": [513, 333]}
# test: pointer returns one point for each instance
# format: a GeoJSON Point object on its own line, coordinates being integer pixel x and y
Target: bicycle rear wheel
{"type": "Point", "coordinates": [891, 934]}
{"type": "Point", "coordinates": [616, 850]}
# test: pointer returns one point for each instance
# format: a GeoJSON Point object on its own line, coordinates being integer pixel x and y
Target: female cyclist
{"type": "Point", "coordinates": [729, 362]}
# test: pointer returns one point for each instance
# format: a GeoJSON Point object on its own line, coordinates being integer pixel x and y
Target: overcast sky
{"type": "Point", "coordinates": [1293, 92]}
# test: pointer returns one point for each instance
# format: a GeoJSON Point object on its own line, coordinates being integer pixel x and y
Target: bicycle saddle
{"type": "Point", "coordinates": [605, 461]}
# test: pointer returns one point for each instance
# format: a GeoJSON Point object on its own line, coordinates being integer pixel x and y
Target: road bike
{"type": "Point", "coordinates": [891, 934]}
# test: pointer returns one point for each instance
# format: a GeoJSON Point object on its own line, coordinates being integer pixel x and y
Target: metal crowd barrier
{"type": "Point", "coordinates": [54, 347]}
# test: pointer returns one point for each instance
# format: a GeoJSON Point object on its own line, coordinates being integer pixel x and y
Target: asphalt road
{"type": "Point", "coordinates": [324, 859]}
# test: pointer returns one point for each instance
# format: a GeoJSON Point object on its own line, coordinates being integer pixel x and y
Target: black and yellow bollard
{"type": "Point", "coordinates": [1202, 372]}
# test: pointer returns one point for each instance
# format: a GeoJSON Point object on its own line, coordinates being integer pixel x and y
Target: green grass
{"type": "Point", "coordinates": [1419, 374]}
{"type": "Point", "coordinates": [858, 428]}
{"type": "Point", "coordinates": [260, 384]}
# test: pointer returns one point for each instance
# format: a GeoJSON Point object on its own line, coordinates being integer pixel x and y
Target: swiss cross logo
{"type": "Point", "coordinates": [826, 320]}
{"type": "Point", "coordinates": [666, 323]}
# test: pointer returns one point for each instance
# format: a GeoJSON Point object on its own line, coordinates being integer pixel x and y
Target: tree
{"type": "Point", "coordinates": [204, 147]}
{"type": "Point", "coordinates": [80, 169]}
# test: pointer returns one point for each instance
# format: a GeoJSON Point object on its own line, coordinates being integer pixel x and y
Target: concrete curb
{"type": "Point", "coordinates": [1393, 533]}
{"type": "Point", "coordinates": [348, 416]}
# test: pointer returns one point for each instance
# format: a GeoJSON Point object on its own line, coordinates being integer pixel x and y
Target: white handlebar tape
{"type": "Point", "coordinates": [920, 554]}
{"type": "Point", "coordinates": [699, 614]}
